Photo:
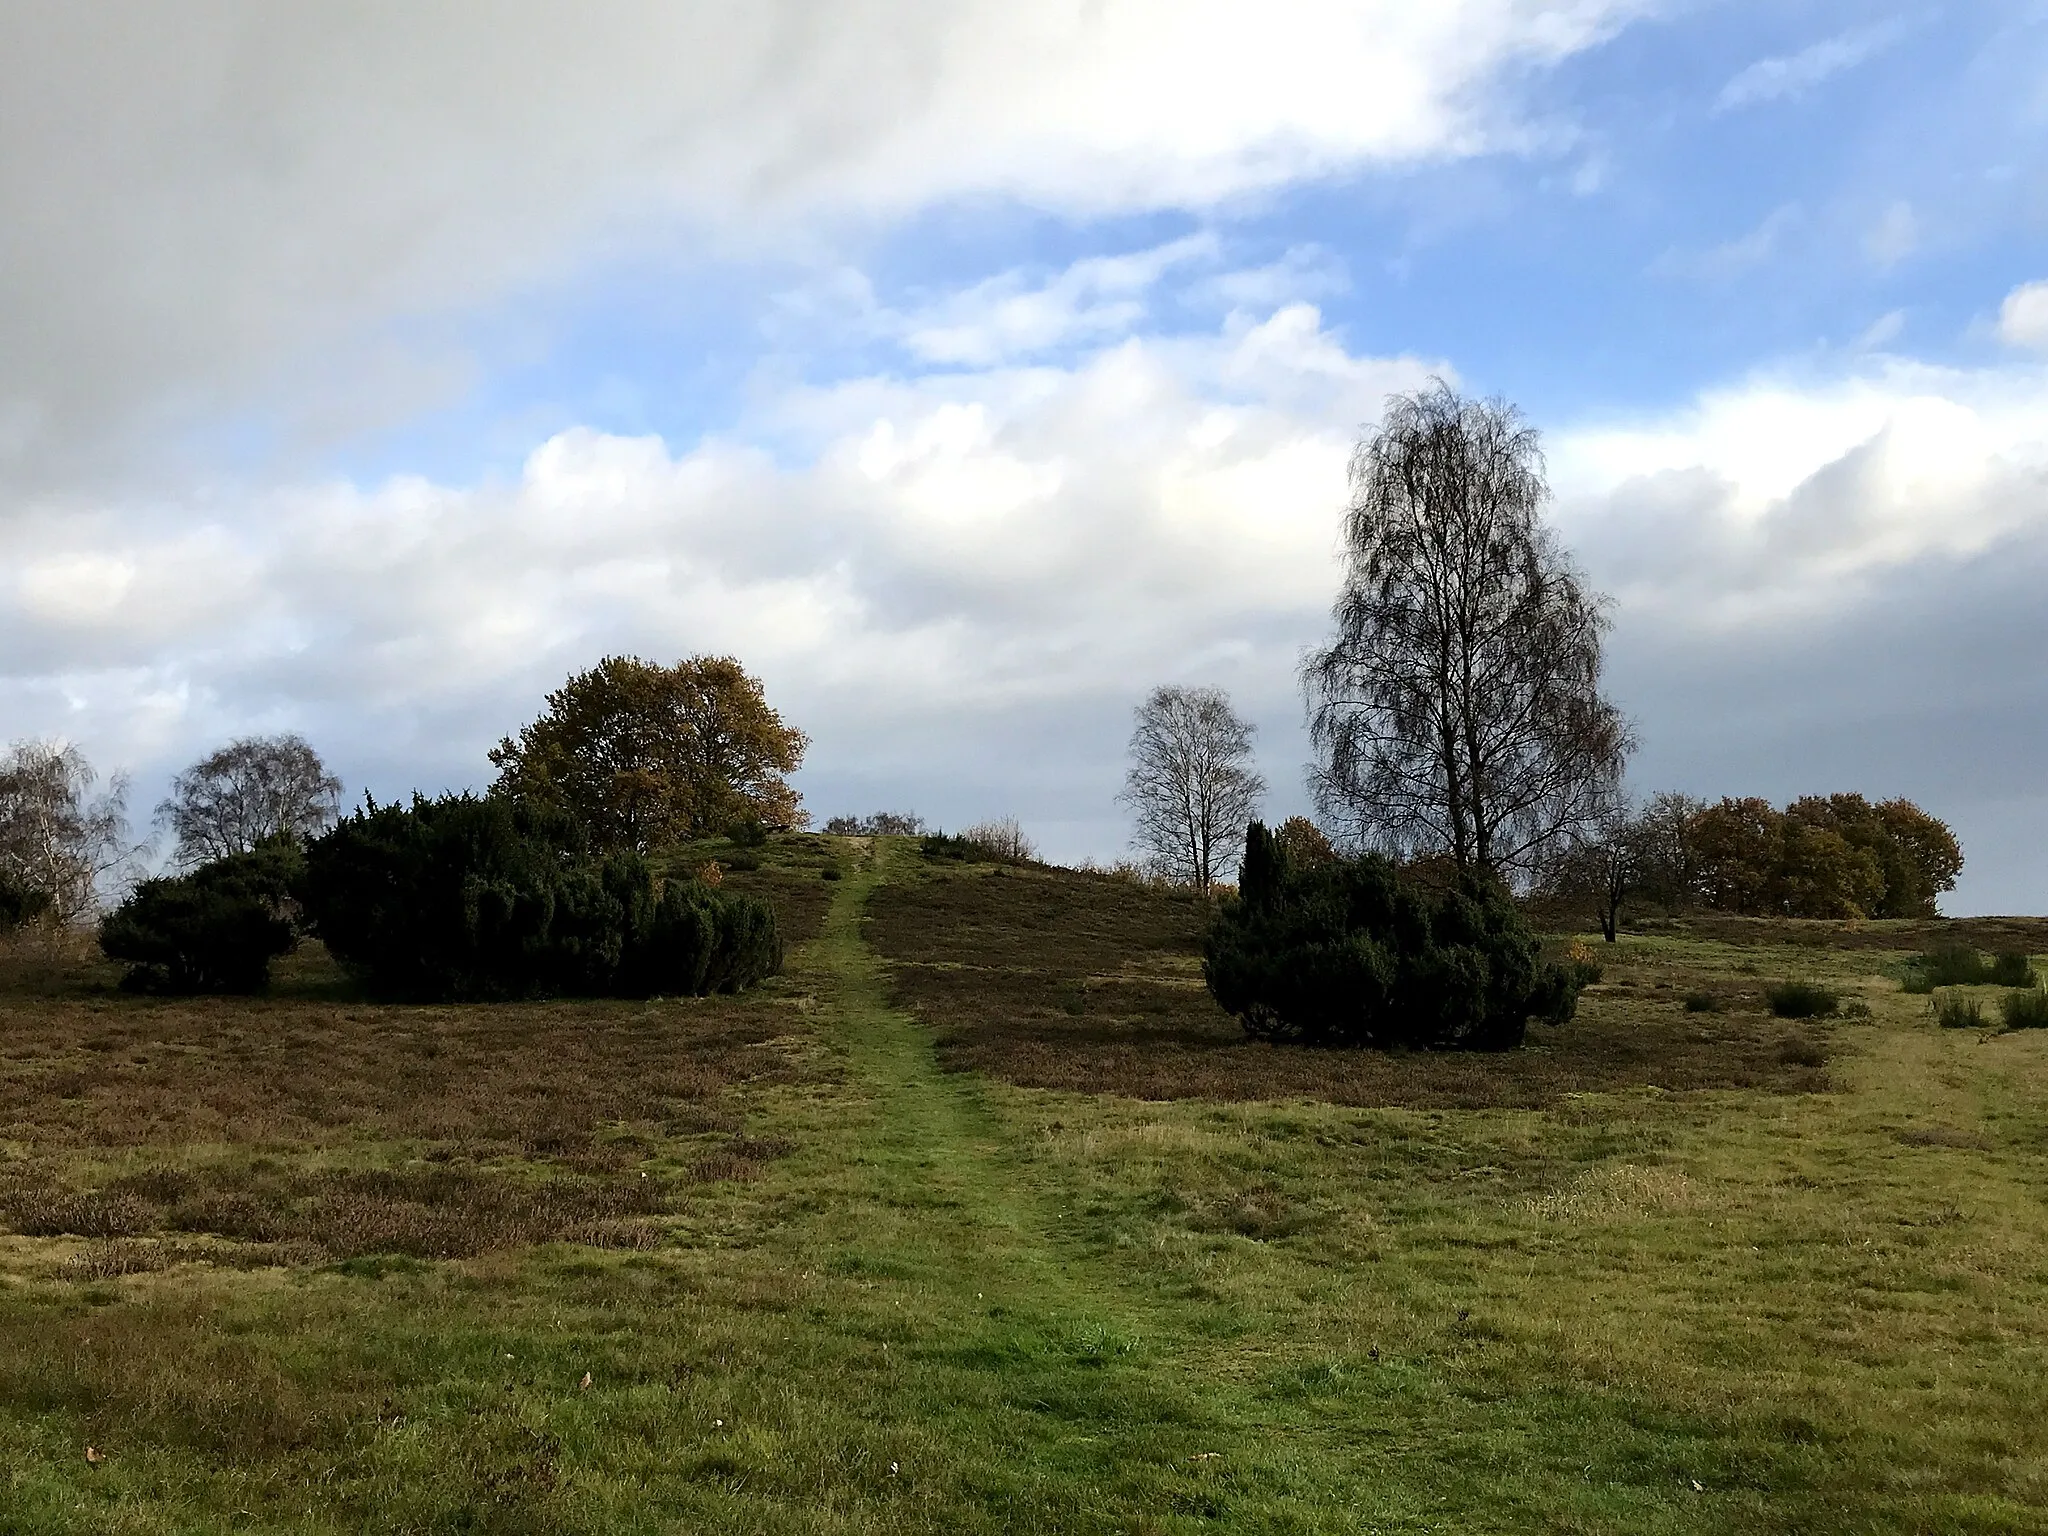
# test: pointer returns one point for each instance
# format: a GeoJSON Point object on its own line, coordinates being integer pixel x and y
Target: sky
{"type": "Point", "coordinates": [969, 369]}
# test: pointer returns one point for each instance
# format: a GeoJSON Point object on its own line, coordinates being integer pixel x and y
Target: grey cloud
{"type": "Point", "coordinates": [224, 207]}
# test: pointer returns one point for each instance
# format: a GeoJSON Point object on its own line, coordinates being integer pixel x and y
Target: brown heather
{"type": "Point", "coordinates": [1052, 979]}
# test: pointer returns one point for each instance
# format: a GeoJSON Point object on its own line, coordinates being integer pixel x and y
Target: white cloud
{"type": "Point", "coordinates": [1006, 317]}
{"type": "Point", "coordinates": [965, 541]}
{"type": "Point", "coordinates": [1882, 331]}
{"type": "Point", "coordinates": [1790, 76]}
{"type": "Point", "coordinates": [191, 197]}
{"type": "Point", "coordinates": [2023, 317]}
{"type": "Point", "coordinates": [1783, 500]}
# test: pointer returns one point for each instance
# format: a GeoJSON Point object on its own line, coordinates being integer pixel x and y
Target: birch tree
{"type": "Point", "coordinates": [1191, 787]}
{"type": "Point", "coordinates": [1457, 712]}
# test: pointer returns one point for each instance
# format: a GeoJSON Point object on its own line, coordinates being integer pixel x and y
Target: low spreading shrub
{"type": "Point", "coordinates": [2025, 1009]}
{"type": "Point", "coordinates": [1352, 952]}
{"type": "Point", "coordinates": [988, 842]}
{"type": "Point", "coordinates": [464, 897]}
{"type": "Point", "coordinates": [1802, 1000]}
{"type": "Point", "coordinates": [1958, 965]}
{"type": "Point", "coordinates": [214, 930]}
{"type": "Point", "coordinates": [1702, 1002]}
{"type": "Point", "coordinates": [1956, 1010]}
{"type": "Point", "coordinates": [1584, 965]}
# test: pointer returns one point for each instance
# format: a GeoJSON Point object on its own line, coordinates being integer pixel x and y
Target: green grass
{"type": "Point", "coordinates": [946, 1302]}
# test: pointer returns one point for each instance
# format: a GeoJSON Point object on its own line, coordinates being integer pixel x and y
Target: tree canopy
{"type": "Point", "coordinates": [644, 755]}
{"type": "Point", "coordinates": [1457, 712]}
{"type": "Point", "coordinates": [252, 791]}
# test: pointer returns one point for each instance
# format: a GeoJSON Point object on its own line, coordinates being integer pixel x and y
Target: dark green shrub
{"type": "Point", "coordinates": [748, 832]}
{"type": "Point", "coordinates": [829, 872]}
{"type": "Point", "coordinates": [1956, 1010]}
{"type": "Point", "coordinates": [2011, 969]}
{"type": "Point", "coordinates": [1802, 1000]}
{"type": "Point", "coordinates": [2025, 1009]}
{"type": "Point", "coordinates": [944, 847]}
{"type": "Point", "coordinates": [483, 898]}
{"type": "Point", "coordinates": [742, 863]}
{"type": "Point", "coordinates": [1958, 965]}
{"type": "Point", "coordinates": [1702, 1002]}
{"type": "Point", "coordinates": [1350, 952]}
{"type": "Point", "coordinates": [214, 930]}
{"type": "Point", "coordinates": [20, 903]}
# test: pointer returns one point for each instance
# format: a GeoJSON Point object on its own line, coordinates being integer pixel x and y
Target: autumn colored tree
{"type": "Point", "coordinates": [644, 754]}
{"type": "Point", "coordinates": [1916, 855]}
{"type": "Point", "coordinates": [1823, 856]}
{"type": "Point", "coordinates": [1738, 844]}
{"type": "Point", "coordinates": [1305, 844]}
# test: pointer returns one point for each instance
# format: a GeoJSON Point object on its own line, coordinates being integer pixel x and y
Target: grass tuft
{"type": "Point", "coordinates": [1957, 1010]}
{"type": "Point", "coordinates": [2025, 1009]}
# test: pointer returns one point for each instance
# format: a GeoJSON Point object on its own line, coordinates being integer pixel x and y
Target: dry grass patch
{"type": "Point", "coordinates": [552, 1079]}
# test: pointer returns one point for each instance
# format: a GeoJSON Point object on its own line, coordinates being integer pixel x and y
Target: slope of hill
{"type": "Point", "coordinates": [781, 1263]}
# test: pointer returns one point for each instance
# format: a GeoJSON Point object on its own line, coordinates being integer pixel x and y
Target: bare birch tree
{"type": "Point", "coordinates": [1191, 786]}
{"type": "Point", "coordinates": [251, 790]}
{"type": "Point", "coordinates": [1458, 710]}
{"type": "Point", "coordinates": [56, 835]}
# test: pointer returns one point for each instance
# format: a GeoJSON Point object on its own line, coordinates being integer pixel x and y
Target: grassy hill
{"type": "Point", "coordinates": [984, 1219]}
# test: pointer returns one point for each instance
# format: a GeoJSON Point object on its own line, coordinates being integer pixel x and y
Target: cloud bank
{"type": "Point", "coordinates": [195, 200]}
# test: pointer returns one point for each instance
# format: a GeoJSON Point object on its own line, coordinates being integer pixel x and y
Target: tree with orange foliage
{"type": "Point", "coordinates": [645, 755]}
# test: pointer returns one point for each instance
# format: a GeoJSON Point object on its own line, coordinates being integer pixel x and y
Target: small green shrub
{"type": "Point", "coordinates": [747, 832]}
{"type": "Point", "coordinates": [2011, 968]}
{"type": "Point", "coordinates": [830, 872]}
{"type": "Point", "coordinates": [1956, 1010]}
{"type": "Point", "coordinates": [2025, 1009]}
{"type": "Point", "coordinates": [744, 863]}
{"type": "Point", "coordinates": [214, 930]}
{"type": "Point", "coordinates": [1583, 964]}
{"type": "Point", "coordinates": [1946, 965]}
{"type": "Point", "coordinates": [1802, 1000]}
{"type": "Point", "coordinates": [1702, 1002]}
